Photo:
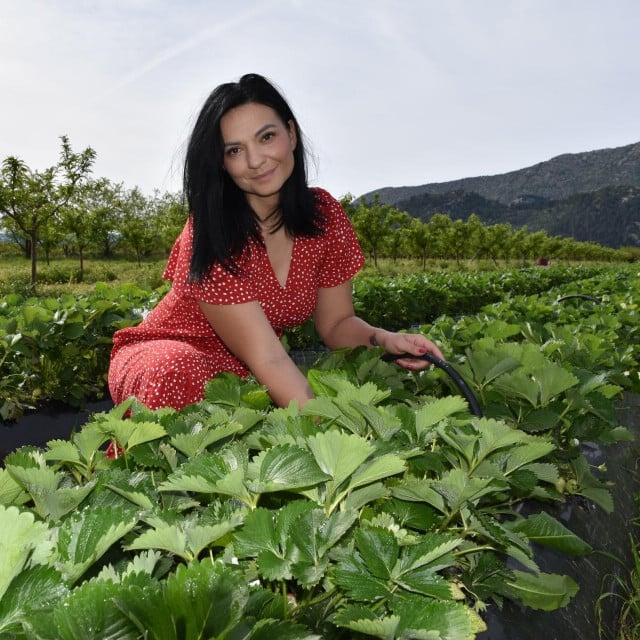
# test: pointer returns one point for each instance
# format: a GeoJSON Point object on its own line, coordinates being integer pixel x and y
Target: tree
{"type": "Point", "coordinates": [440, 231]}
{"type": "Point", "coordinates": [498, 241]}
{"type": "Point", "coordinates": [138, 229]}
{"type": "Point", "coordinates": [419, 240]}
{"type": "Point", "coordinates": [31, 199]}
{"type": "Point", "coordinates": [104, 202]}
{"type": "Point", "coordinates": [170, 212]}
{"type": "Point", "coordinates": [460, 240]}
{"type": "Point", "coordinates": [374, 223]}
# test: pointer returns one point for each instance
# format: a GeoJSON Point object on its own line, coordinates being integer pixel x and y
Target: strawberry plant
{"type": "Point", "coordinates": [379, 510]}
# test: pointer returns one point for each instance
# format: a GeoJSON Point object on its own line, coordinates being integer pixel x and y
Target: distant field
{"type": "Point", "coordinates": [62, 275]}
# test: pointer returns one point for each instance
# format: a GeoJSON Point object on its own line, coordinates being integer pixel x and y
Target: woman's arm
{"type": "Point", "coordinates": [338, 327]}
{"type": "Point", "coordinates": [246, 332]}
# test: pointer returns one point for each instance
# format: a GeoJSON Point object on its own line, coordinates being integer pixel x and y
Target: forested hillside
{"type": "Point", "coordinates": [592, 196]}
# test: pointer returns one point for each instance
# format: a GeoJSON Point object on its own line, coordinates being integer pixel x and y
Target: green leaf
{"type": "Point", "coordinates": [364, 620]}
{"type": "Point", "coordinates": [530, 449]}
{"type": "Point", "coordinates": [358, 498]}
{"type": "Point", "coordinates": [546, 591]}
{"type": "Point", "coordinates": [206, 599]}
{"type": "Point", "coordinates": [186, 539]}
{"type": "Point", "coordinates": [414, 490]}
{"type": "Point", "coordinates": [547, 531]}
{"type": "Point", "coordinates": [21, 537]}
{"type": "Point", "coordinates": [381, 467]}
{"type": "Point", "coordinates": [437, 620]}
{"type": "Point", "coordinates": [434, 412]}
{"type": "Point", "coordinates": [589, 486]}
{"type": "Point", "coordinates": [520, 385]}
{"type": "Point", "coordinates": [31, 590]}
{"type": "Point", "coordinates": [352, 575]}
{"type": "Point", "coordinates": [10, 491]}
{"type": "Point", "coordinates": [267, 536]}
{"type": "Point", "coordinates": [62, 451]}
{"type": "Point", "coordinates": [315, 535]}
{"type": "Point", "coordinates": [544, 471]}
{"type": "Point", "coordinates": [258, 399]}
{"type": "Point", "coordinates": [379, 550]}
{"type": "Point", "coordinates": [433, 551]}
{"type": "Point", "coordinates": [487, 367]}
{"type": "Point", "coordinates": [381, 420]}
{"type": "Point", "coordinates": [284, 468]}
{"type": "Point", "coordinates": [339, 454]}
{"type": "Point", "coordinates": [193, 444]}
{"type": "Point", "coordinates": [280, 629]}
{"type": "Point", "coordinates": [224, 389]}
{"type": "Point", "coordinates": [59, 503]}
{"type": "Point", "coordinates": [222, 473]}
{"type": "Point", "coordinates": [457, 487]}
{"type": "Point", "coordinates": [553, 380]}
{"type": "Point", "coordinates": [144, 432]}
{"type": "Point", "coordinates": [86, 536]}
{"type": "Point", "coordinates": [89, 439]}
{"type": "Point", "coordinates": [89, 612]}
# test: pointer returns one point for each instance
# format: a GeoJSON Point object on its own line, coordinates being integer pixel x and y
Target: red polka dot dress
{"type": "Point", "coordinates": [167, 359]}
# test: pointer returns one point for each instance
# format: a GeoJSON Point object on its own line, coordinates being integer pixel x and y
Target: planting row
{"type": "Point", "coordinates": [58, 348]}
{"type": "Point", "coordinates": [385, 508]}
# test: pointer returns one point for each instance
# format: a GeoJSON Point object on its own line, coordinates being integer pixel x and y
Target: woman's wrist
{"type": "Point", "coordinates": [377, 338]}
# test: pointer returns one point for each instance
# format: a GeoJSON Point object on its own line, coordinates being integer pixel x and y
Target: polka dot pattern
{"type": "Point", "coordinates": [167, 359]}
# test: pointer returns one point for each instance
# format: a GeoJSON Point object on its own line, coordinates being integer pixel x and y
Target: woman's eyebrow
{"type": "Point", "coordinates": [257, 134]}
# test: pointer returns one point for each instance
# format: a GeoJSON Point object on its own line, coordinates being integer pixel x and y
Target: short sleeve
{"type": "Point", "coordinates": [343, 256]}
{"type": "Point", "coordinates": [218, 287]}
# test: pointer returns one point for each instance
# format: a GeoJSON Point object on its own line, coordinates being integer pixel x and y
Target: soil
{"type": "Point", "coordinates": [50, 422]}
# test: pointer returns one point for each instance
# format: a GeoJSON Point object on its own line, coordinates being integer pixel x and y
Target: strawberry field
{"type": "Point", "coordinates": [386, 508]}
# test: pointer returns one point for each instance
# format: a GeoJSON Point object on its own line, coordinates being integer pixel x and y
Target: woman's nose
{"type": "Point", "coordinates": [254, 158]}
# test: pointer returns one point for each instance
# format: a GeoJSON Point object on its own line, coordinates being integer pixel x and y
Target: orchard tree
{"type": "Point", "coordinates": [440, 230]}
{"type": "Point", "coordinates": [374, 223]}
{"type": "Point", "coordinates": [170, 212]}
{"type": "Point", "coordinates": [460, 240]}
{"type": "Point", "coordinates": [419, 240]}
{"type": "Point", "coordinates": [138, 229]}
{"type": "Point", "coordinates": [477, 237]}
{"type": "Point", "coordinates": [31, 199]}
{"type": "Point", "coordinates": [104, 203]}
{"type": "Point", "coordinates": [50, 237]}
{"type": "Point", "coordinates": [498, 242]}
{"type": "Point", "coordinates": [535, 245]}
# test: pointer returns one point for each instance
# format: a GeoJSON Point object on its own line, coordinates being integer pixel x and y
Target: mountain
{"type": "Point", "coordinates": [590, 196]}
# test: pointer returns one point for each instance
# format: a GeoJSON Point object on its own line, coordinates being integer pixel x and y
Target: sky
{"type": "Point", "coordinates": [387, 92]}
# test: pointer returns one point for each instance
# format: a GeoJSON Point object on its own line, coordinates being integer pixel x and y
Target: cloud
{"type": "Point", "coordinates": [390, 94]}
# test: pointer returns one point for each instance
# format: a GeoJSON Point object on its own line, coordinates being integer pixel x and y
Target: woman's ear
{"type": "Point", "coordinates": [293, 134]}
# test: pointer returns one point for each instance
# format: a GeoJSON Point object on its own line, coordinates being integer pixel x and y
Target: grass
{"type": "Point", "coordinates": [627, 590]}
{"type": "Point", "coordinates": [62, 275]}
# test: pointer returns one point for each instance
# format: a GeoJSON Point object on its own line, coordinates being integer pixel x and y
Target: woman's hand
{"type": "Point", "coordinates": [413, 343]}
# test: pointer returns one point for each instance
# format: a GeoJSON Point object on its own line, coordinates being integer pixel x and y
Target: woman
{"type": "Point", "coordinates": [260, 252]}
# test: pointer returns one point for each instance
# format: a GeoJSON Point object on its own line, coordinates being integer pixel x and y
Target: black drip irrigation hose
{"type": "Point", "coordinates": [449, 370]}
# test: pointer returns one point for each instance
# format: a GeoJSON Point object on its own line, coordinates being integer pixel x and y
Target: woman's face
{"type": "Point", "coordinates": [258, 152]}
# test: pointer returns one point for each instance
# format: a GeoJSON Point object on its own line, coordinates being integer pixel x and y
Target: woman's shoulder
{"type": "Point", "coordinates": [323, 197]}
{"type": "Point", "coordinates": [329, 206]}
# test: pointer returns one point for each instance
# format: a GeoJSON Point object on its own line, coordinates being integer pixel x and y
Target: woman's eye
{"type": "Point", "coordinates": [267, 136]}
{"type": "Point", "coordinates": [232, 151]}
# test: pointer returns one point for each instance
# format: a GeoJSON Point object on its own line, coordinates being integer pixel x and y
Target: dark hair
{"type": "Point", "coordinates": [223, 221]}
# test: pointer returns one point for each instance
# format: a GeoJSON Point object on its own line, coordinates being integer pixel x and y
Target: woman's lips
{"type": "Point", "coordinates": [265, 176]}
